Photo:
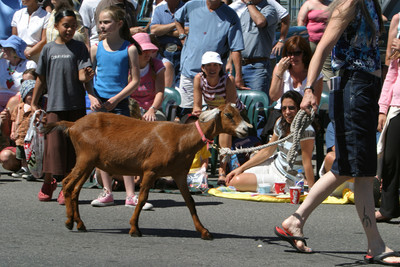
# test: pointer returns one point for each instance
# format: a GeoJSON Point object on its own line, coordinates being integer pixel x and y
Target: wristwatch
{"type": "Point", "coordinates": [309, 87]}
{"type": "Point", "coordinates": [249, 3]}
{"type": "Point", "coordinates": [182, 36]}
{"type": "Point", "coordinates": [281, 41]}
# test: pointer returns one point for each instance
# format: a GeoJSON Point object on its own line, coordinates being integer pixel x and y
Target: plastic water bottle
{"type": "Point", "coordinates": [300, 180]}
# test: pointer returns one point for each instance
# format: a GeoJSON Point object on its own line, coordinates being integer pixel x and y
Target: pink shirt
{"type": "Point", "coordinates": [316, 24]}
{"type": "Point", "coordinates": [390, 95]}
{"type": "Point", "coordinates": [146, 91]}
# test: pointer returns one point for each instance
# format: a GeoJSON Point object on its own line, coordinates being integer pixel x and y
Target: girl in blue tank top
{"type": "Point", "coordinates": [115, 58]}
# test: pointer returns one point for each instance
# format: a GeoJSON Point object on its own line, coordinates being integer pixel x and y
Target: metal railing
{"type": "Point", "coordinates": [293, 7]}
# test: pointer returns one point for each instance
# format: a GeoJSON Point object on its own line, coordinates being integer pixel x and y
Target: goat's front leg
{"type": "Point", "coordinates": [146, 184]}
{"type": "Point", "coordinates": [181, 182]}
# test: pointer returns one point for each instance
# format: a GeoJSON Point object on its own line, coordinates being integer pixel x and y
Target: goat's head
{"type": "Point", "coordinates": [230, 119]}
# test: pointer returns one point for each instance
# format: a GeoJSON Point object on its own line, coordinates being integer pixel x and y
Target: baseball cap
{"type": "Point", "coordinates": [211, 57]}
{"type": "Point", "coordinates": [16, 43]}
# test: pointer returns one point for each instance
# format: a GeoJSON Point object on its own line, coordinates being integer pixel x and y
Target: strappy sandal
{"type": "Point", "coordinates": [291, 239]}
{"type": "Point", "coordinates": [380, 259]}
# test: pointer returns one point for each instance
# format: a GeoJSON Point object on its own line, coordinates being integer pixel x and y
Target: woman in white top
{"type": "Point", "coordinates": [290, 74]}
{"type": "Point", "coordinates": [291, 71]}
{"type": "Point", "coordinates": [30, 23]}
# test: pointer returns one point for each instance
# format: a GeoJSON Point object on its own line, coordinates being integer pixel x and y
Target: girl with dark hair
{"type": "Point", "coordinates": [115, 58]}
{"type": "Point", "coordinates": [51, 32]}
{"type": "Point", "coordinates": [267, 167]}
{"type": "Point", "coordinates": [352, 35]}
{"type": "Point", "coordinates": [290, 74]}
{"type": "Point", "coordinates": [63, 68]}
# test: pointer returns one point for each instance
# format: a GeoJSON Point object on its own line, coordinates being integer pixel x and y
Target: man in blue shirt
{"type": "Point", "coordinates": [258, 22]}
{"type": "Point", "coordinates": [213, 26]}
{"type": "Point", "coordinates": [163, 26]}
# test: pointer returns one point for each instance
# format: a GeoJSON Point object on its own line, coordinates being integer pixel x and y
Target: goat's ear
{"type": "Point", "coordinates": [209, 115]}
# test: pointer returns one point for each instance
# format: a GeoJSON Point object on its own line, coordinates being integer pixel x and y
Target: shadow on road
{"type": "Point", "coordinates": [161, 203]}
{"type": "Point", "coordinates": [164, 232]}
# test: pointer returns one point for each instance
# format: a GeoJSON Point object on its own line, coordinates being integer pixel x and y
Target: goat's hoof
{"type": "Point", "coordinates": [82, 229]}
{"type": "Point", "coordinates": [135, 233]}
{"type": "Point", "coordinates": [69, 225]}
{"type": "Point", "coordinates": [207, 236]}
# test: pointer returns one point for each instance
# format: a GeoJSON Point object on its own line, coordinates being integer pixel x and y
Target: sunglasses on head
{"type": "Point", "coordinates": [295, 53]}
{"type": "Point", "coordinates": [291, 108]}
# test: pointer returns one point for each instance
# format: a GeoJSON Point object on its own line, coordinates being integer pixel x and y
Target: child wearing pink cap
{"type": "Point", "coordinates": [150, 92]}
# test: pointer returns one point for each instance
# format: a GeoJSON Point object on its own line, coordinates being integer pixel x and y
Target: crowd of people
{"type": "Point", "coordinates": [55, 54]}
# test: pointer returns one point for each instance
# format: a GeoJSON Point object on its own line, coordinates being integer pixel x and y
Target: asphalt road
{"type": "Point", "coordinates": [33, 233]}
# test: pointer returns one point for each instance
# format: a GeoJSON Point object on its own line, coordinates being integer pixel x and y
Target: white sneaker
{"type": "Point", "coordinates": [132, 201]}
{"type": "Point", "coordinates": [103, 200]}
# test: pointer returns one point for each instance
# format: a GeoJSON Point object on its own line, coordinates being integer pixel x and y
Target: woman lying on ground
{"type": "Point", "coordinates": [267, 167]}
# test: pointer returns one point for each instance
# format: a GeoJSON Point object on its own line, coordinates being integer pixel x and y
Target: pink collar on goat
{"type": "Point", "coordinates": [203, 137]}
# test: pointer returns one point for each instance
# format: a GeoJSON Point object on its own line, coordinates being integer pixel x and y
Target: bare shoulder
{"type": "Point", "coordinates": [132, 49]}
{"type": "Point", "coordinates": [395, 19]}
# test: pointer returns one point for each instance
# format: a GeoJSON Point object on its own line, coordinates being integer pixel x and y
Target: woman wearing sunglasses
{"type": "Point", "coordinates": [290, 74]}
{"type": "Point", "coordinates": [267, 167]}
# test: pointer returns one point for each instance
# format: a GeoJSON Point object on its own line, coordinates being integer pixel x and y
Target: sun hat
{"type": "Point", "coordinates": [26, 87]}
{"type": "Point", "coordinates": [16, 43]}
{"type": "Point", "coordinates": [211, 57]}
{"type": "Point", "coordinates": [144, 40]}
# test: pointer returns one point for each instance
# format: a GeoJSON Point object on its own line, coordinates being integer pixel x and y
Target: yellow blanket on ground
{"type": "Point", "coordinates": [226, 192]}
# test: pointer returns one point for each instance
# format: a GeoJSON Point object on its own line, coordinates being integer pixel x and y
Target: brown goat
{"type": "Point", "coordinates": [125, 146]}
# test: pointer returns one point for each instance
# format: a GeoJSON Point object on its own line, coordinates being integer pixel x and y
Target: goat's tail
{"type": "Point", "coordinates": [61, 125]}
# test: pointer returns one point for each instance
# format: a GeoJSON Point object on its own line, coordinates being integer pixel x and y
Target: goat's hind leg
{"type": "Point", "coordinates": [181, 182]}
{"type": "Point", "coordinates": [72, 185]}
{"type": "Point", "coordinates": [69, 208]}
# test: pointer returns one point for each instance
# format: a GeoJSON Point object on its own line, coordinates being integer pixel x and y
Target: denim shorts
{"type": "Point", "coordinates": [122, 108]}
{"type": "Point", "coordinates": [354, 110]}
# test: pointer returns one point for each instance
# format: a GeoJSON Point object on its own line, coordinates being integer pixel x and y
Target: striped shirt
{"type": "Point", "coordinates": [283, 149]}
{"type": "Point", "coordinates": [214, 96]}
